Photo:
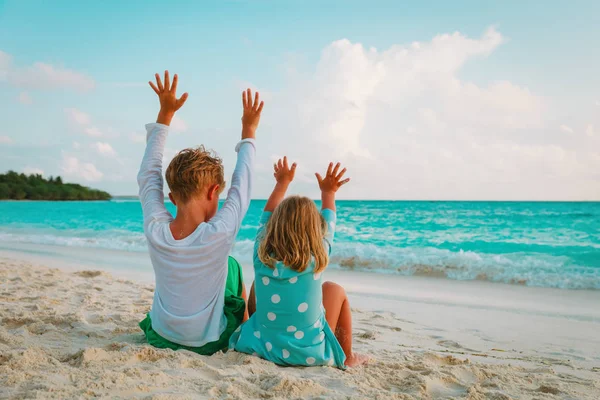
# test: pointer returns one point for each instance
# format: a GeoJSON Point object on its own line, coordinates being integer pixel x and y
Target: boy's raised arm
{"type": "Point", "coordinates": [149, 178]}
{"type": "Point", "coordinates": [238, 197]}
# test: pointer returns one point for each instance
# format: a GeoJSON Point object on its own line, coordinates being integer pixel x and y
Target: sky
{"type": "Point", "coordinates": [420, 100]}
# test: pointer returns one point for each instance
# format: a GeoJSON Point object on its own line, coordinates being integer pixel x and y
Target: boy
{"type": "Point", "coordinates": [199, 296]}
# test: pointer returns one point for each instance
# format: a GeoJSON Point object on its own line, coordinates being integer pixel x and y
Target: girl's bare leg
{"type": "Point", "coordinates": [339, 318]}
{"type": "Point", "coordinates": [246, 316]}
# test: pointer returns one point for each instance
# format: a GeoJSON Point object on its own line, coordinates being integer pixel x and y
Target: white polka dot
{"type": "Point", "coordinates": [303, 307]}
{"type": "Point", "coordinates": [317, 276]}
{"type": "Point", "coordinates": [275, 272]}
{"type": "Point", "coordinates": [275, 298]}
{"type": "Point", "coordinates": [322, 336]}
{"type": "Point", "coordinates": [317, 324]}
{"type": "Point", "coordinates": [271, 316]}
{"type": "Point", "coordinates": [239, 328]}
{"type": "Point", "coordinates": [291, 328]}
{"type": "Point", "coordinates": [257, 334]}
{"type": "Point", "coordinates": [299, 335]}
{"type": "Point", "coordinates": [265, 280]}
{"type": "Point", "coordinates": [269, 346]}
{"type": "Point", "coordinates": [285, 353]}
{"type": "Point", "coordinates": [310, 360]}
{"type": "Point", "coordinates": [293, 280]}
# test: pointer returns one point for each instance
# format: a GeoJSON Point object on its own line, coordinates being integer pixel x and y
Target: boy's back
{"type": "Point", "coordinates": [190, 253]}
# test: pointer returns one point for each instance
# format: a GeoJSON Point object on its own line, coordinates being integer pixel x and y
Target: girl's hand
{"type": "Point", "coordinates": [332, 181]}
{"type": "Point", "coordinates": [283, 173]}
{"type": "Point", "coordinates": [251, 116]}
{"type": "Point", "coordinates": [167, 95]}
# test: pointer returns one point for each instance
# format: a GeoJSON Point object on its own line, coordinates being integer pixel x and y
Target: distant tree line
{"type": "Point", "coordinates": [17, 186]}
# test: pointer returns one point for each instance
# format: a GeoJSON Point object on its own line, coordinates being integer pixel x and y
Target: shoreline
{"type": "Point", "coordinates": [72, 331]}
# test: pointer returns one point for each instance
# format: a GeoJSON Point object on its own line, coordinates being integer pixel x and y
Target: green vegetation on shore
{"type": "Point", "coordinates": [15, 186]}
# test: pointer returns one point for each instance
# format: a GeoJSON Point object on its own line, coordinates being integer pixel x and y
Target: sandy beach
{"type": "Point", "coordinates": [72, 333]}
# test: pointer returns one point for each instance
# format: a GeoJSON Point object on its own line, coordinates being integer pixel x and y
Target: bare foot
{"type": "Point", "coordinates": [356, 359]}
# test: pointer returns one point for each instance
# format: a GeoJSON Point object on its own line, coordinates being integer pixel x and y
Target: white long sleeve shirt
{"type": "Point", "coordinates": [191, 272]}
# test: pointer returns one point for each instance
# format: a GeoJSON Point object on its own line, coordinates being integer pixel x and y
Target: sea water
{"type": "Point", "coordinates": [530, 243]}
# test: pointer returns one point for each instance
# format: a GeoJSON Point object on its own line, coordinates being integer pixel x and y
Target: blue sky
{"type": "Point", "coordinates": [507, 108]}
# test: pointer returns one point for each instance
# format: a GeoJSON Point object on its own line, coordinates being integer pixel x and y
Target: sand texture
{"type": "Point", "coordinates": [67, 334]}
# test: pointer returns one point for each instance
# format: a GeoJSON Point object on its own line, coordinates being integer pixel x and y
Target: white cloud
{"type": "Point", "coordinates": [5, 140]}
{"type": "Point", "coordinates": [408, 126]}
{"type": "Point", "coordinates": [42, 76]}
{"type": "Point", "coordinates": [589, 130]}
{"type": "Point", "coordinates": [77, 117]}
{"type": "Point", "coordinates": [566, 129]}
{"type": "Point", "coordinates": [104, 149]}
{"type": "Point", "coordinates": [33, 171]}
{"type": "Point", "coordinates": [76, 145]}
{"type": "Point", "coordinates": [178, 125]}
{"type": "Point", "coordinates": [137, 138]}
{"type": "Point", "coordinates": [72, 167]}
{"type": "Point", "coordinates": [82, 122]}
{"type": "Point", "coordinates": [25, 98]}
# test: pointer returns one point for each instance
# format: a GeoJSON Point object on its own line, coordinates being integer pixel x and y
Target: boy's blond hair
{"type": "Point", "coordinates": [294, 235]}
{"type": "Point", "coordinates": [193, 170]}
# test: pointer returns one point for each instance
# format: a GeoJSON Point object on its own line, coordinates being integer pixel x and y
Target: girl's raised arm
{"type": "Point", "coordinates": [284, 175]}
{"type": "Point", "coordinates": [330, 184]}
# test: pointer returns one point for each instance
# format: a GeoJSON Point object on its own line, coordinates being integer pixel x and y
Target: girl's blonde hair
{"type": "Point", "coordinates": [294, 235]}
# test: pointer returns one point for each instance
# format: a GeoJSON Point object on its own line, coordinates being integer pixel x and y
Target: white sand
{"type": "Point", "coordinates": [74, 334]}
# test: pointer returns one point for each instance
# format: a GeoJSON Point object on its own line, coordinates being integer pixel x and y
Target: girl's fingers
{"type": "Point", "coordinates": [342, 183]}
{"type": "Point", "coordinates": [294, 167]}
{"type": "Point", "coordinates": [329, 169]}
{"type": "Point", "coordinates": [319, 178]}
{"type": "Point", "coordinates": [159, 83]}
{"type": "Point", "coordinates": [335, 170]}
{"type": "Point", "coordinates": [262, 103]}
{"type": "Point", "coordinates": [153, 86]}
{"type": "Point", "coordinates": [339, 176]}
{"type": "Point", "coordinates": [275, 167]}
{"type": "Point", "coordinates": [279, 164]}
{"type": "Point", "coordinates": [285, 163]}
{"type": "Point", "coordinates": [167, 81]}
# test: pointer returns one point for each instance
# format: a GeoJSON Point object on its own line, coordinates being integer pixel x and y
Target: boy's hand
{"type": "Point", "coordinates": [283, 173]}
{"type": "Point", "coordinates": [251, 116]}
{"type": "Point", "coordinates": [167, 95]}
{"type": "Point", "coordinates": [332, 181]}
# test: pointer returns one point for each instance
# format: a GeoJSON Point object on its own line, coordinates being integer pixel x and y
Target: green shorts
{"type": "Point", "coordinates": [234, 309]}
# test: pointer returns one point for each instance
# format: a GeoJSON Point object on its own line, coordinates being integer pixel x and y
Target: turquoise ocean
{"type": "Point", "coordinates": [530, 243]}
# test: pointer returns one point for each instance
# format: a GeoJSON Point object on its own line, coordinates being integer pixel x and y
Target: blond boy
{"type": "Point", "coordinates": [199, 298]}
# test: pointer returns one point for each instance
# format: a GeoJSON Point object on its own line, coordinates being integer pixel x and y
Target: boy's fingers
{"type": "Point", "coordinates": [153, 86]}
{"type": "Point", "coordinates": [262, 103]}
{"type": "Point", "coordinates": [182, 100]}
{"type": "Point", "coordinates": [329, 169]}
{"type": "Point", "coordinates": [249, 97]}
{"type": "Point", "coordinates": [167, 81]}
{"type": "Point", "coordinates": [174, 87]}
{"type": "Point", "coordinates": [339, 176]}
{"type": "Point", "coordinates": [159, 83]}
{"type": "Point", "coordinates": [256, 102]}
{"type": "Point", "coordinates": [335, 170]}
{"type": "Point", "coordinates": [319, 178]}
{"type": "Point", "coordinates": [244, 101]}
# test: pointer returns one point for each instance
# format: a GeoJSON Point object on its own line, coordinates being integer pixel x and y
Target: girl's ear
{"type": "Point", "coordinates": [213, 191]}
{"type": "Point", "coordinates": [172, 199]}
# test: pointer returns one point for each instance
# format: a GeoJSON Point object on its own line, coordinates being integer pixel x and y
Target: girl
{"type": "Point", "coordinates": [296, 315]}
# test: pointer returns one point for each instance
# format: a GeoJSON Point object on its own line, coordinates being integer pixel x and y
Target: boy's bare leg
{"type": "Point", "coordinates": [339, 318]}
{"type": "Point", "coordinates": [251, 301]}
{"type": "Point", "coordinates": [244, 297]}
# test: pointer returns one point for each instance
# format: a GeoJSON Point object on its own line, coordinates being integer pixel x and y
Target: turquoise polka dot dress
{"type": "Point", "coordinates": [289, 326]}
